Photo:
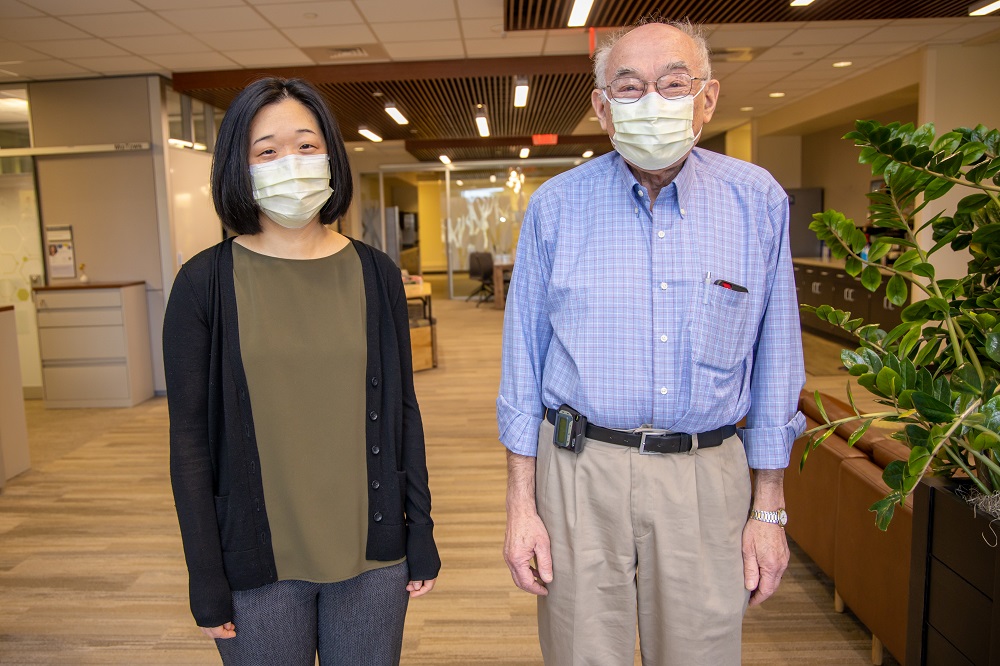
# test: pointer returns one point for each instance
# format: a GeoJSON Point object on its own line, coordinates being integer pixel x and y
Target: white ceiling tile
{"type": "Point", "coordinates": [801, 53]}
{"type": "Point", "coordinates": [193, 61]}
{"type": "Point", "coordinates": [973, 30]}
{"type": "Point", "coordinates": [723, 67]}
{"type": "Point", "coordinates": [270, 57]}
{"type": "Point", "coordinates": [907, 33]}
{"type": "Point", "coordinates": [215, 18]}
{"type": "Point", "coordinates": [123, 25]}
{"type": "Point", "coordinates": [71, 7]}
{"type": "Point", "coordinates": [308, 14]}
{"type": "Point", "coordinates": [426, 50]}
{"type": "Point", "coordinates": [562, 42]}
{"type": "Point", "coordinates": [157, 44]}
{"type": "Point", "coordinates": [864, 49]}
{"type": "Point", "coordinates": [810, 36]}
{"type": "Point", "coordinates": [33, 29]}
{"type": "Point", "coordinates": [244, 39]}
{"type": "Point", "coordinates": [867, 23]}
{"type": "Point", "coordinates": [159, 5]}
{"type": "Point", "coordinates": [825, 67]}
{"type": "Point", "coordinates": [484, 29]}
{"type": "Point", "coordinates": [480, 9]}
{"type": "Point", "coordinates": [390, 11]}
{"type": "Point", "coordinates": [117, 65]}
{"type": "Point", "coordinates": [416, 31]}
{"type": "Point", "coordinates": [38, 68]}
{"type": "Point", "coordinates": [734, 37]}
{"type": "Point", "coordinates": [511, 46]}
{"type": "Point", "coordinates": [774, 66]}
{"type": "Point", "coordinates": [332, 35]}
{"type": "Point", "coordinates": [15, 9]}
{"type": "Point", "coordinates": [11, 51]}
{"type": "Point", "coordinates": [78, 48]}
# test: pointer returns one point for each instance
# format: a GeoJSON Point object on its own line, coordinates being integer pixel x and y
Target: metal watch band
{"type": "Point", "coordinates": [778, 517]}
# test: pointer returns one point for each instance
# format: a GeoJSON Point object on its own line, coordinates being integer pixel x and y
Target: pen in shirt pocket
{"type": "Point", "coordinates": [726, 284]}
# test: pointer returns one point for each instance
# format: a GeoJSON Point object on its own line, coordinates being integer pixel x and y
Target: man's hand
{"type": "Point", "coordinates": [526, 536]}
{"type": "Point", "coordinates": [765, 548]}
{"type": "Point", "coordinates": [227, 630]}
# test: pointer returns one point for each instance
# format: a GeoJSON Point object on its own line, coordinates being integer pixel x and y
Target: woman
{"type": "Point", "coordinates": [296, 447]}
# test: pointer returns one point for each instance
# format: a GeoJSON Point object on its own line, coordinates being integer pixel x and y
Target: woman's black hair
{"type": "Point", "coordinates": [232, 188]}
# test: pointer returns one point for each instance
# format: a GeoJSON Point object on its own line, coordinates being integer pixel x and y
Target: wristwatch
{"type": "Point", "coordinates": [779, 517]}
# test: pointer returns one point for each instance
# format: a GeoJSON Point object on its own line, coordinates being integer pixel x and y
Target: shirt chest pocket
{"type": "Point", "coordinates": [724, 327]}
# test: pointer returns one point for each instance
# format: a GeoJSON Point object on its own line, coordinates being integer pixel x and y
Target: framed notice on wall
{"type": "Point", "coordinates": [59, 253]}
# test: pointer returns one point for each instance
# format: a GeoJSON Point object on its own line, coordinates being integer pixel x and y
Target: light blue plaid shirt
{"type": "Point", "coordinates": [613, 309]}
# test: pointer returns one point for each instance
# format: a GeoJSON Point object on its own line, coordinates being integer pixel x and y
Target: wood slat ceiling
{"type": "Point", "coordinates": [551, 14]}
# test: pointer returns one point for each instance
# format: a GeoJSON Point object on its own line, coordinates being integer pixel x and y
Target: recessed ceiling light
{"type": "Point", "coordinates": [983, 8]}
{"type": "Point", "coordinates": [587, 153]}
{"type": "Point", "coordinates": [521, 91]}
{"type": "Point", "coordinates": [592, 119]}
{"type": "Point", "coordinates": [444, 159]}
{"type": "Point", "coordinates": [524, 153]}
{"type": "Point", "coordinates": [493, 178]}
{"type": "Point", "coordinates": [776, 94]}
{"type": "Point", "coordinates": [578, 15]}
{"type": "Point", "coordinates": [359, 149]}
{"type": "Point", "coordinates": [843, 63]}
{"type": "Point", "coordinates": [368, 134]}
{"type": "Point", "coordinates": [459, 183]}
{"type": "Point", "coordinates": [395, 114]}
{"type": "Point", "coordinates": [746, 108]}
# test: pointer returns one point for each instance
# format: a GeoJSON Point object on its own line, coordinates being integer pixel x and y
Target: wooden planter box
{"type": "Point", "coordinates": [954, 617]}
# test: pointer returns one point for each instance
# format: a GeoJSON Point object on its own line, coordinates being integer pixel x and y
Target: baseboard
{"type": "Point", "coordinates": [33, 393]}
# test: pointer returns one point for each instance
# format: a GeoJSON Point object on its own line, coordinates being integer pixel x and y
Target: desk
{"type": "Point", "coordinates": [499, 291]}
{"type": "Point", "coordinates": [423, 339]}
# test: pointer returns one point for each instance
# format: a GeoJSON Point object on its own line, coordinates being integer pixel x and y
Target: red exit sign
{"type": "Point", "coordinates": [544, 139]}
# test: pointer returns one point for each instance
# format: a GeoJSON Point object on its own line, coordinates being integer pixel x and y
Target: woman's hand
{"type": "Point", "coordinates": [418, 588]}
{"type": "Point", "coordinates": [228, 630]}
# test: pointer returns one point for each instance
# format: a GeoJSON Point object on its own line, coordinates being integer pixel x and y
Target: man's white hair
{"type": "Point", "coordinates": [695, 32]}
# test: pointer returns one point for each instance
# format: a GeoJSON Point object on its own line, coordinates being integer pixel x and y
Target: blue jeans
{"type": "Point", "coordinates": [356, 622]}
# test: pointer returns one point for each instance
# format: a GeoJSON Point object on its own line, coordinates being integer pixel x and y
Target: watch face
{"type": "Point", "coordinates": [782, 517]}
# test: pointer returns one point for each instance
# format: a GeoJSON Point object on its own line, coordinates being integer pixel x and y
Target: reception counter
{"type": "Point", "coordinates": [14, 456]}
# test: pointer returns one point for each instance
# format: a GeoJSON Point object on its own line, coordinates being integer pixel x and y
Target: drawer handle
{"type": "Point", "coordinates": [816, 287]}
{"type": "Point", "coordinates": [849, 295]}
{"type": "Point", "coordinates": [887, 305]}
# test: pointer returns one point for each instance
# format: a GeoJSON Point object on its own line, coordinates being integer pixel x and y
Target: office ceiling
{"type": "Point", "coordinates": [438, 59]}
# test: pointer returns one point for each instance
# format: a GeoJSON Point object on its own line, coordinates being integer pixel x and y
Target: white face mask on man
{"type": "Point", "coordinates": [654, 133]}
{"type": "Point", "coordinates": [291, 190]}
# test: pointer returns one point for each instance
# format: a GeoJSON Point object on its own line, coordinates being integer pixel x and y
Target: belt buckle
{"type": "Point", "coordinates": [644, 431]}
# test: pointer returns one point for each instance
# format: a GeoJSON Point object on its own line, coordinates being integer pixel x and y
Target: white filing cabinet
{"type": "Point", "coordinates": [94, 341]}
{"type": "Point", "coordinates": [14, 454]}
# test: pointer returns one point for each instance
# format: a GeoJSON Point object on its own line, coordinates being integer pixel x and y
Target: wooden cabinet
{"type": "Point", "coordinates": [94, 342]}
{"type": "Point", "coordinates": [14, 454]}
{"type": "Point", "coordinates": [826, 283]}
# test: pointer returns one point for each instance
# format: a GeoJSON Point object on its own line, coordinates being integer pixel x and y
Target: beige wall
{"type": "Point", "coordinates": [739, 144]}
{"type": "Point", "coordinates": [431, 217]}
{"type": "Point", "coordinates": [782, 157]}
{"type": "Point", "coordinates": [830, 162]}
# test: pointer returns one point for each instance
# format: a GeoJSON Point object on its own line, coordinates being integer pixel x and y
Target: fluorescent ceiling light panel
{"type": "Point", "coordinates": [482, 124]}
{"type": "Point", "coordinates": [525, 152]}
{"type": "Point", "coordinates": [521, 91]}
{"type": "Point", "coordinates": [578, 15]}
{"type": "Point", "coordinates": [843, 63]}
{"type": "Point", "coordinates": [368, 134]}
{"type": "Point", "coordinates": [776, 94]}
{"type": "Point", "coordinates": [444, 159]}
{"type": "Point", "coordinates": [394, 113]}
{"type": "Point", "coordinates": [983, 8]}
{"type": "Point", "coordinates": [801, 3]}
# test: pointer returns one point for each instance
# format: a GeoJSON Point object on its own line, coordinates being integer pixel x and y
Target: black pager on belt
{"type": "Point", "coordinates": [570, 427]}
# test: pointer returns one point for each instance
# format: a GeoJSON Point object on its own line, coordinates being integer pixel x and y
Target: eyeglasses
{"type": "Point", "coordinates": [629, 89]}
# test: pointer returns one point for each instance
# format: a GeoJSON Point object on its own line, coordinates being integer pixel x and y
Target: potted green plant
{"type": "Point", "coordinates": [937, 373]}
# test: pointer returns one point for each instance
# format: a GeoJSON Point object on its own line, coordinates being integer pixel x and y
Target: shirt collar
{"type": "Point", "coordinates": [684, 182]}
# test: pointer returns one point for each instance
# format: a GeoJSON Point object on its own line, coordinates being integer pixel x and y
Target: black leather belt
{"type": "Point", "coordinates": [651, 440]}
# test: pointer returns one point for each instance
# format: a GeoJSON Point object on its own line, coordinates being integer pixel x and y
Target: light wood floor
{"type": "Point", "coordinates": [91, 570]}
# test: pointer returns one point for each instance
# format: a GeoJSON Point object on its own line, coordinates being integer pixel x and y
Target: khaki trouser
{"type": "Point", "coordinates": [656, 537]}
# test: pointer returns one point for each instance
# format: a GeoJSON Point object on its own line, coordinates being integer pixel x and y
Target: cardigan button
{"type": "Point", "coordinates": [377, 517]}
{"type": "Point", "coordinates": [374, 381]}
{"type": "Point", "coordinates": [376, 484]}
{"type": "Point", "coordinates": [373, 415]}
{"type": "Point", "coordinates": [375, 450]}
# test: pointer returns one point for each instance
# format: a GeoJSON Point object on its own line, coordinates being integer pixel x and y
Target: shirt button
{"type": "Point", "coordinates": [374, 381]}
{"type": "Point", "coordinates": [636, 210]}
{"type": "Point", "coordinates": [683, 212]}
{"type": "Point", "coordinates": [663, 285]}
{"type": "Point", "coordinates": [661, 234]}
{"type": "Point", "coordinates": [377, 517]}
{"type": "Point", "coordinates": [663, 391]}
{"type": "Point", "coordinates": [375, 484]}
{"type": "Point", "coordinates": [375, 450]}
{"type": "Point", "coordinates": [663, 338]}
{"type": "Point", "coordinates": [373, 415]}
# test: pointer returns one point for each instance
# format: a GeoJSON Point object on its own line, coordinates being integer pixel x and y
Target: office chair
{"type": "Point", "coordinates": [481, 268]}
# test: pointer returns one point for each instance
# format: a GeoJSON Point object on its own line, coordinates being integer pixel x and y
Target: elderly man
{"type": "Point", "coordinates": [652, 308]}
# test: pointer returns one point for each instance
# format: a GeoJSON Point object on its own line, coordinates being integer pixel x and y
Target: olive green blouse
{"type": "Point", "coordinates": [302, 339]}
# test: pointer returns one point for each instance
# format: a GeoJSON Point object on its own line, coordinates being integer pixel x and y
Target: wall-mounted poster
{"type": "Point", "coordinates": [59, 253]}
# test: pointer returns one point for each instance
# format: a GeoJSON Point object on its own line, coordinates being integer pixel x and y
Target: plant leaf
{"type": "Point", "coordinates": [931, 408]}
{"type": "Point", "coordinates": [896, 290]}
{"type": "Point", "coordinates": [819, 406]}
{"type": "Point", "coordinates": [966, 380]}
{"type": "Point", "coordinates": [859, 433]}
{"type": "Point", "coordinates": [889, 382]}
{"type": "Point", "coordinates": [883, 510]}
{"type": "Point", "coordinates": [871, 278]}
{"type": "Point", "coordinates": [993, 346]}
{"type": "Point", "coordinates": [919, 456]}
{"type": "Point", "coordinates": [924, 270]}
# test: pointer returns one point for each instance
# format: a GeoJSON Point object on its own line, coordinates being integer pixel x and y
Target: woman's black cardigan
{"type": "Point", "coordinates": [214, 462]}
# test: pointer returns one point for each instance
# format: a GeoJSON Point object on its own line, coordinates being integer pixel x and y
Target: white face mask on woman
{"type": "Point", "coordinates": [654, 133]}
{"type": "Point", "coordinates": [291, 190]}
